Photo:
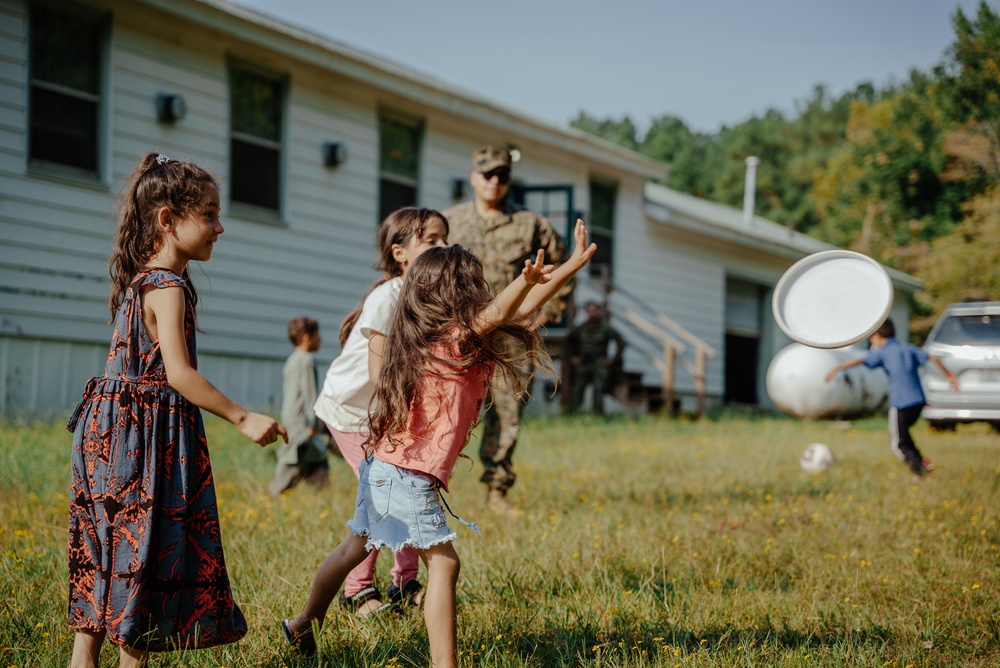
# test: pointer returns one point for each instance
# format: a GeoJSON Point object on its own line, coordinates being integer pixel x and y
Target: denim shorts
{"type": "Point", "coordinates": [398, 508]}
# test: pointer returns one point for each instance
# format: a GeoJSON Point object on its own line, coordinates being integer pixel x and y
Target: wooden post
{"type": "Point", "coordinates": [669, 358]}
{"type": "Point", "coordinates": [699, 379]}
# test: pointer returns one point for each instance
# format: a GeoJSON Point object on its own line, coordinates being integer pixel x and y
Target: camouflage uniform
{"type": "Point", "coordinates": [503, 242]}
{"type": "Point", "coordinates": [589, 341]}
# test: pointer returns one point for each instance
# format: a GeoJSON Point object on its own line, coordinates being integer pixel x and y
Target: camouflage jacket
{"type": "Point", "coordinates": [503, 242]}
{"type": "Point", "coordinates": [589, 341]}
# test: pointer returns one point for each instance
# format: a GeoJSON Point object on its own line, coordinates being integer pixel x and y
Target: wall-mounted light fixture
{"type": "Point", "coordinates": [334, 153]}
{"type": "Point", "coordinates": [515, 153]}
{"type": "Point", "coordinates": [458, 186]}
{"type": "Point", "coordinates": [170, 107]}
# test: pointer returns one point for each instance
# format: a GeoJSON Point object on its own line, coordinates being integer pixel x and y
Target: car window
{"type": "Point", "coordinates": [969, 330]}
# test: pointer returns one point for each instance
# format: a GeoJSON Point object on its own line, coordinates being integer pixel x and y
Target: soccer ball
{"type": "Point", "coordinates": [816, 459]}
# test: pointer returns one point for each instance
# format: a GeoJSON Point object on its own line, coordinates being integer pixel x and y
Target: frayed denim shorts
{"type": "Point", "coordinates": [398, 508]}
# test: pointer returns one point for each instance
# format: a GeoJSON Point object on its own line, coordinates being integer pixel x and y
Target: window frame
{"type": "Point", "coordinates": [102, 20]}
{"type": "Point", "coordinates": [249, 210]}
{"type": "Point", "coordinates": [417, 125]}
{"type": "Point", "coordinates": [605, 232]}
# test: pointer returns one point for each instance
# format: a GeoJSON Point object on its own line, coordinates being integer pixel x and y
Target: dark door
{"type": "Point", "coordinates": [741, 369]}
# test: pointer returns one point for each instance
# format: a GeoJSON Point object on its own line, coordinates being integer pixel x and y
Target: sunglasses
{"type": "Point", "coordinates": [502, 175]}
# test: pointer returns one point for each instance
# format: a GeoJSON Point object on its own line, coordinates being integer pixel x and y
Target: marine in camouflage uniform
{"type": "Point", "coordinates": [587, 345]}
{"type": "Point", "coordinates": [503, 236]}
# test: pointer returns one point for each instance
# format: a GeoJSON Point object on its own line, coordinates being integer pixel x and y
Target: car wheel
{"type": "Point", "coordinates": [943, 425]}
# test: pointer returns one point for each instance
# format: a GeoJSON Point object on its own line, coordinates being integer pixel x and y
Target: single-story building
{"type": "Point", "coordinates": [314, 142]}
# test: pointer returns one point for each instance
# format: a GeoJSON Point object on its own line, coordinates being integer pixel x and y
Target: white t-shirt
{"type": "Point", "coordinates": [343, 402]}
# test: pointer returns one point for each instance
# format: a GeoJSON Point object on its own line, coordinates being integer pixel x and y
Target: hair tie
{"type": "Point", "coordinates": [161, 159]}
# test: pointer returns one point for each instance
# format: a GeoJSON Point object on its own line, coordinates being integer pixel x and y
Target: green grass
{"type": "Point", "coordinates": [643, 543]}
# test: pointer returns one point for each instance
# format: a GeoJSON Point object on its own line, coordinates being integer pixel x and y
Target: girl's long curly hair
{"type": "Point", "coordinates": [444, 290]}
{"type": "Point", "coordinates": [398, 228]}
{"type": "Point", "coordinates": [178, 185]}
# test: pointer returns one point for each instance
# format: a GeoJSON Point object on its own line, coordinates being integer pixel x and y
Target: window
{"type": "Point", "coordinates": [66, 54]}
{"type": "Point", "coordinates": [257, 116]}
{"type": "Point", "coordinates": [399, 164]}
{"type": "Point", "coordinates": [602, 227]}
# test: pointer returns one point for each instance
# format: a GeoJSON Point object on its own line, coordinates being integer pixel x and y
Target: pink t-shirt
{"type": "Point", "coordinates": [444, 407]}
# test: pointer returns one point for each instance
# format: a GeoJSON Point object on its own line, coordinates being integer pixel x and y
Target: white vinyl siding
{"type": "Point", "coordinates": [55, 233]}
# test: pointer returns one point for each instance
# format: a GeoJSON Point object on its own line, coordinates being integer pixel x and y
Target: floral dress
{"type": "Point", "coordinates": [145, 551]}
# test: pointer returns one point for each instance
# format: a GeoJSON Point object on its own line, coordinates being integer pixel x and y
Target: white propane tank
{"type": "Point", "coordinates": [797, 386]}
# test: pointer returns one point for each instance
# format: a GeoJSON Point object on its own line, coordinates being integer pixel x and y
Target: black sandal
{"type": "Point", "coordinates": [354, 603]}
{"type": "Point", "coordinates": [303, 644]}
{"type": "Point", "coordinates": [406, 595]}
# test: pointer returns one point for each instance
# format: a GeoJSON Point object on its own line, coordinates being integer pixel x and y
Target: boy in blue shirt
{"type": "Point", "coordinates": [906, 397]}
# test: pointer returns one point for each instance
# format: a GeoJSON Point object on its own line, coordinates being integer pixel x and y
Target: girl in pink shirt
{"type": "Point", "coordinates": [446, 338]}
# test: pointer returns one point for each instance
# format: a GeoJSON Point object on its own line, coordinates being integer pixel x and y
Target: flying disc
{"type": "Point", "coordinates": [832, 299]}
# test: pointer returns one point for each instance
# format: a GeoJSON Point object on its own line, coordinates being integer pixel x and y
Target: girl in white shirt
{"type": "Point", "coordinates": [348, 388]}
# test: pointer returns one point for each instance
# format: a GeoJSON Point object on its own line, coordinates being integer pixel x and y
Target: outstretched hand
{"type": "Point", "coordinates": [536, 272]}
{"type": "Point", "coordinates": [261, 429]}
{"type": "Point", "coordinates": [581, 251]}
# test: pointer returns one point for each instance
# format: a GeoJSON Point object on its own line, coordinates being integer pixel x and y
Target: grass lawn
{"type": "Point", "coordinates": [643, 543]}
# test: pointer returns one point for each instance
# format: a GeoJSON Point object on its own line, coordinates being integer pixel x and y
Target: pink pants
{"type": "Point", "coordinates": [406, 562]}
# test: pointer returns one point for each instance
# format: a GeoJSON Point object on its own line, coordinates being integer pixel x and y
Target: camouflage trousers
{"type": "Point", "coordinates": [501, 427]}
{"type": "Point", "coordinates": [595, 375]}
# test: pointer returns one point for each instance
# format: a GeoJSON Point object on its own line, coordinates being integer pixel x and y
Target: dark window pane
{"type": "Point", "coordinates": [255, 174]}
{"type": "Point", "coordinates": [600, 263]}
{"type": "Point", "coordinates": [65, 50]}
{"type": "Point", "coordinates": [393, 196]}
{"type": "Point", "coordinates": [400, 148]}
{"type": "Point", "coordinates": [602, 207]}
{"type": "Point", "coordinates": [64, 129]}
{"type": "Point", "coordinates": [257, 103]}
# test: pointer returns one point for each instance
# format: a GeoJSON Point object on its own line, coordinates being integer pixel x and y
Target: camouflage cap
{"type": "Point", "coordinates": [491, 157]}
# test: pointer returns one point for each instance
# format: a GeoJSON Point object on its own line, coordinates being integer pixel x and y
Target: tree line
{"type": "Point", "coordinates": [908, 173]}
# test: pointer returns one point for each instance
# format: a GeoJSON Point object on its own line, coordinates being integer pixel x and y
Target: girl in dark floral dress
{"type": "Point", "coordinates": [146, 567]}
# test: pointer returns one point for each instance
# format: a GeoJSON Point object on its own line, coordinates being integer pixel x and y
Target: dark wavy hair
{"type": "Point", "coordinates": [398, 228]}
{"type": "Point", "coordinates": [444, 290]}
{"type": "Point", "coordinates": [178, 185]}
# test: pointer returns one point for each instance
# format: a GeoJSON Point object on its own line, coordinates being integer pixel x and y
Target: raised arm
{"type": "Point", "coordinates": [561, 275]}
{"type": "Point", "coordinates": [505, 306]}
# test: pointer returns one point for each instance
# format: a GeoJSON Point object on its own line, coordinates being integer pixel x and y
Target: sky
{"type": "Point", "coordinates": [709, 62]}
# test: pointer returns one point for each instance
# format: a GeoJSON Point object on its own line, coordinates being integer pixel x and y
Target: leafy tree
{"type": "Point", "coordinates": [909, 173]}
{"type": "Point", "coordinates": [622, 132]}
{"type": "Point", "coordinates": [695, 158]}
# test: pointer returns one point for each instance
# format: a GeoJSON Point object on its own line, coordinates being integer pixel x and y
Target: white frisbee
{"type": "Point", "coordinates": [832, 299]}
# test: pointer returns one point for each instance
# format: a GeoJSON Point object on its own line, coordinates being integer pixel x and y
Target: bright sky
{"type": "Point", "coordinates": [710, 62]}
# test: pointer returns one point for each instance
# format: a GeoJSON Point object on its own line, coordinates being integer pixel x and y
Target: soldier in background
{"type": "Point", "coordinates": [587, 347]}
{"type": "Point", "coordinates": [503, 236]}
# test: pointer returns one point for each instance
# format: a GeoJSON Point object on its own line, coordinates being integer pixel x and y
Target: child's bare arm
{"type": "Point", "coordinates": [952, 378]}
{"type": "Point", "coordinates": [376, 349]}
{"type": "Point", "coordinates": [543, 292]}
{"type": "Point", "coordinates": [165, 309]}
{"type": "Point", "coordinates": [842, 366]}
{"type": "Point", "coordinates": [505, 305]}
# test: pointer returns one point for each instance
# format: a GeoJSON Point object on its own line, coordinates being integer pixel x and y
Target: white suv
{"type": "Point", "coordinates": [967, 339]}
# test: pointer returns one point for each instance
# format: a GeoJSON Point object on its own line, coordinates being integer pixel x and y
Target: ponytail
{"type": "Point", "coordinates": [157, 181]}
{"type": "Point", "coordinates": [352, 318]}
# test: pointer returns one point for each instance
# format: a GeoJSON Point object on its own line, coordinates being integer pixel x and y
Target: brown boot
{"type": "Point", "coordinates": [497, 501]}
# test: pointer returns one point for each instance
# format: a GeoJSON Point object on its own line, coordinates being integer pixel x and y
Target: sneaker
{"type": "Point", "coordinates": [928, 465]}
{"type": "Point", "coordinates": [409, 595]}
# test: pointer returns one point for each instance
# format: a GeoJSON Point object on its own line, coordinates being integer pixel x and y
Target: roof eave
{"type": "Point", "coordinates": [348, 61]}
